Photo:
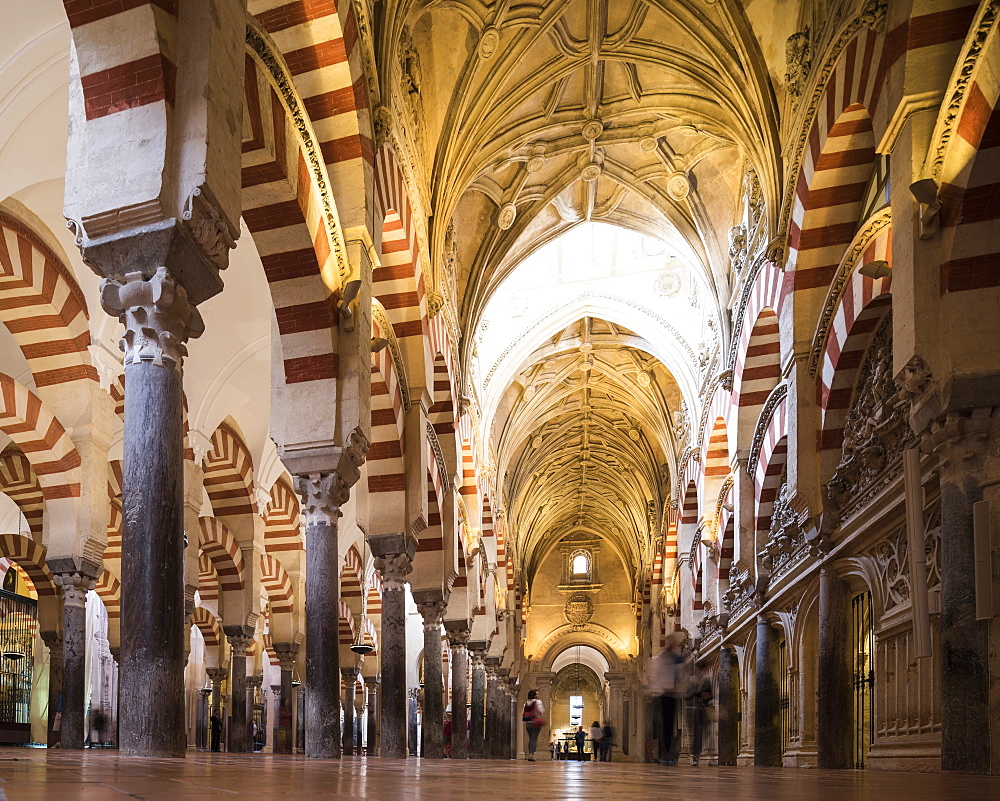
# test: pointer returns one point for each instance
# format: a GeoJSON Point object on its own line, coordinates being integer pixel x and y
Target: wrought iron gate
{"type": "Point", "coordinates": [783, 694]}
{"type": "Point", "coordinates": [18, 624]}
{"type": "Point", "coordinates": [863, 631]}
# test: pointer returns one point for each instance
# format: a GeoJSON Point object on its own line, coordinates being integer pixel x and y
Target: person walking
{"type": "Point", "coordinates": [533, 717]}
{"type": "Point", "coordinates": [580, 739]}
{"type": "Point", "coordinates": [699, 696]}
{"type": "Point", "coordinates": [216, 726]}
{"type": "Point", "coordinates": [606, 741]}
{"type": "Point", "coordinates": [661, 682]}
{"type": "Point", "coordinates": [552, 749]}
{"type": "Point", "coordinates": [596, 735]}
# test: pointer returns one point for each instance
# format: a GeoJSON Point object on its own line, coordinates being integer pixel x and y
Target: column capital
{"type": "Point", "coordinates": [255, 681]}
{"type": "Point", "coordinates": [458, 633]}
{"type": "Point", "coordinates": [322, 495]}
{"type": "Point", "coordinates": [432, 612]}
{"type": "Point", "coordinates": [74, 587]}
{"type": "Point", "coordinates": [959, 439]}
{"type": "Point", "coordinates": [53, 641]}
{"type": "Point", "coordinates": [616, 680]}
{"type": "Point", "coordinates": [544, 679]}
{"type": "Point", "coordinates": [286, 653]}
{"type": "Point", "coordinates": [239, 643]}
{"type": "Point", "coordinates": [371, 682]}
{"type": "Point", "coordinates": [217, 674]}
{"type": "Point", "coordinates": [394, 568]}
{"type": "Point", "coordinates": [350, 674]}
{"type": "Point", "coordinates": [157, 315]}
{"type": "Point", "coordinates": [276, 689]}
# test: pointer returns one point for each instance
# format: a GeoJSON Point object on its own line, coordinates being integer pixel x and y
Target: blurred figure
{"type": "Point", "coordinates": [580, 739]}
{"type": "Point", "coordinates": [533, 716]}
{"type": "Point", "coordinates": [607, 740]}
{"type": "Point", "coordinates": [596, 735]}
{"type": "Point", "coordinates": [700, 696]}
{"type": "Point", "coordinates": [662, 682]}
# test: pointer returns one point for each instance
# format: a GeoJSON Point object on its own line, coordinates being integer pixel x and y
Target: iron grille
{"type": "Point", "coordinates": [18, 625]}
{"type": "Point", "coordinates": [783, 694]}
{"type": "Point", "coordinates": [864, 676]}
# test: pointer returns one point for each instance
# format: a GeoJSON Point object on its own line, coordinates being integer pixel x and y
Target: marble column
{"type": "Point", "coordinates": [458, 639]}
{"type": "Point", "coordinates": [254, 683]}
{"type": "Point", "coordinates": [238, 740]}
{"type": "Point", "coordinates": [767, 712]}
{"type": "Point", "coordinates": [322, 496]}
{"type": "Point", "coordinates": [371, 716]}
{"type": "Point", "coordinates": [74, 587]}
{"type": "Point", "coordinates": [477, 714]}
{"type": "Point", "coordinates": [350, 675]}
{"type": "Point", "coordinates": [503, 714]}
{"type": "Point", "coordinates": [432, 612]}
{"type": "Point", "coordinates": [54, 643]}
{"type": "Point", "coordinates": [158, 321]}
{"type": "Point", "coordinates": [411, 719]}
{"type": "Point", "coordinates": [616, 715]}
{"type": "Point", "coordinates": [960, 440]}
{"type": "Point", "coordinates": [492, 729]}
{"type": "Point", "coordinates": [728, 703]}
{"type": "Point", "coordinates": [286, 653]}
{"type": "Point", "coordinates": [201, 724]}
{"type": "Point", "coordinates": [394, 561]}
{"type": "Point", "coordinates": [834, 708]}
{"type": "Point", "coordinates": [300, 720]}
{"type": "Point", "coordinates": [276, 733]}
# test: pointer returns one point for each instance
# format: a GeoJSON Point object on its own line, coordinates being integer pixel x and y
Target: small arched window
{"type": "Point", "coordinates": [581, 567]}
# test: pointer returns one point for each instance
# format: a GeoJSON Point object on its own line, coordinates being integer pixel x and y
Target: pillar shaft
{"type": "Point", "coordinates": [54, 642]}
{"type": "Point", "coordinates": [412, 703]}
{"type": "Point", "coordinates": [323, 494]}
{"type": "Point", "coordinates": [767, 712]}
{"type": "Point", "coordinates": [729, 689]}
{"type": "Point", "coordinates": [478, 711]}
{"type": "Point", "coordinates": [834, 708]}
{"type": "Point", "coordinates": [490, 748]}
{"type": "Point", "coordinates": [74, 646]}
{"type": "Point", "coordinates": [459, 692]}
{"type": "Point", "coordinates": [276, 722]}
{"type": "Point", "coordinates": [283, 711]}
{"type": "Point", "coordinates": [201, 724]}
{"type": "Point", "coordinates": [371, 718]}
{"type": "Point", "coordinates": [238, 740]}
{"type": "Point", "coordinates": [393, 566]}
{"type": "Point", "coordinates": [350, 688]}
{"type": "Point", "coordinates": [433, 728]}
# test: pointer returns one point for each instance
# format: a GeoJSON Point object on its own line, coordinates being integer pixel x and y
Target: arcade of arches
{"type": "Point", "coordinates": [479, 347]}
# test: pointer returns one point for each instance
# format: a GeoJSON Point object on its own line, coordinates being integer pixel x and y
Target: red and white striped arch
{"type": "Point", "coordinates": [319, 42]}
{"type": "Point", "coordinates": [208, 578]}
{"type": "Point", "coordinates": [346, 624]}
{"type": "Point", "coordinates": [30, 557]}
{"type": "Point", "coordinates": [109, 590]}
{"type": "Point", "coordinates": [229, 474]}
{"type": "Point", "coordinates": [282, 531]}
{"type": "Point", "coordinates": [836, 167]}
{"type": "Point", "coordinates": [350, 580]}
{"type": "Point", "coordinates": [770, 464]}
{"type": "Point", "coordinates": [276, 584]}
{"type": "Point", "coordinates": [221, 547]}
{"type": "Point", "coordinates": [41, 438]}
{"type": "Point", "coordinates": [44, 308]}
{"type": "Point", "coordinates": [113, 550]}
{"type": "Point", "coordinates": [384, 461]}
{"type": "Point", "coordinates": [716, 449]}
{"type": "Point", "coordinates": [19, 483]}
{"type": "Point", "coordinates": [208, 625]}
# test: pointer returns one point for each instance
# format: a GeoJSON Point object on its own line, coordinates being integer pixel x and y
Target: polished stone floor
{"type": "Point", "coordinates": [29, 775]}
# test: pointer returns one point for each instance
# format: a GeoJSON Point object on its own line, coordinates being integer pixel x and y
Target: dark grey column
{"type": "Point", "coordinates": [276, 722]}
{"type": "Point", "coordinates": [729, 688]}
{"type": "Point", "coordinates": [201, 724]}
{"type": "Point", "coordinates": [433, 728]}
{"type": "Point", "coordinates": [458, 639]}
{"type": "Point", "coordinates": [834, 712]}
{"type": "Point", "coordinates": [492, 728]}
{"type": "Point", "coordinates": [394, 561]}
{"type": "Point", "coordinates": [502, 718]}
{"type": "Point", "coordinates": [216, 676]}
{"type": "Point", "coordinates": [238, 740]}
{"type": "Point", "coordinates": [158, 320]}
{"type": "Point", "coordinates": [322, 496]}
{"type": "Point", "coordinates": [767, 714]}
{"type": "Point", "coordinates": [959, 441]}
{"type": "Point", "coordinates": [54, 643]}
{"type": "Point", "coordinates": [74, 587]}
{"type": "Point", "coordinates": [300, 720]}
{"type": "Point", "coordinates": [286, 653]}
{"type": "Point", "coordinates": [371, 718]}
{"type": "Point", "coordinates": [350, 675]}
{"type": "Point", "coordinates": [411, 719]}
{"type": "Point", "coordinates": [477, 715]}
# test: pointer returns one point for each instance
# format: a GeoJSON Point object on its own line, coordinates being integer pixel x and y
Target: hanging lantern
{"type": "Point", "coordinates": [360, 646]}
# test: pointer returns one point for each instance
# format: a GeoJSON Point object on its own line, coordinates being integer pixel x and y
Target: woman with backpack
{"type": "Point", "coordinates": [533, 717]}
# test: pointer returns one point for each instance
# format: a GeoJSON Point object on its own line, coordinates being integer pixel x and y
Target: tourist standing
{"type": "Point", "coordinates": [661, 682]}
{"type": "Point", "coordinates": [606, 741]}
{"type": "Point", "coordinates": [580, 738]}
{"type": "Point", "coordinates": [533, 717]}
{"type": "Point", "coordinates": [596, 734]}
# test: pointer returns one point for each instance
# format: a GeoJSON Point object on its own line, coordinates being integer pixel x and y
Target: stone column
{"type": "Point", "coordinates": [834, 710]}
{"type": "Point", "coordinates": [74, 587]}
{"type": "Point", "coordinates": [458, 639]}
{"type": "Point", "coordinates": [477, 714]}
{"type": "Point", "coordinates": [276, 722]}
{"type": "Point", "coordinates": [432, 612]}
{"type": "Point", "coordinates": [411, 718]}
{"type": "Point", "coordinates": [503, 714]}
{"type": "Point", "coordinates": [286, 653]}
{"type": "Point", "coordinates": [54, 643]}
{"type": "Point", "coordinates": [371, 719]}
{"type": "Point", "coordinates": [158, 321]}
{"type": "Point", "coordinates": [350, 675]}
{"type": "Point", "coordinates": [767, 714]}
{"type": "Point", "coordinates": [201, 724]}
{"type": "Point", "coordinates": [491, 728]}
{"type": "Point", "coordinates": [322, 496]}
{"type": "Point", "coordinates": [239, 642]}
{"type": "Point", "coordinates": [728, 703]}
{"type": "Point", "coordinates": [394, 561]}
{"type": "Point", "coordinates": [300, 720]}
{"type": "Point", "coordinates": [959, 440]}
{"type": "Point", "coordinates": [616, 714]}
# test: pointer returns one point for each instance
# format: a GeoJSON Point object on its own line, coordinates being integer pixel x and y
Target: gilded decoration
{"type": "Point", "coordinates": [579, 610]}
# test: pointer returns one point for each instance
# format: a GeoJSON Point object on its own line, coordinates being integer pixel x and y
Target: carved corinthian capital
{"type": "Point", "coordinates": [322, 495]}
{"type": "Point", "coordinates": [394, 568]}
{"type": "Point", "coordinates": [157, 316]}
